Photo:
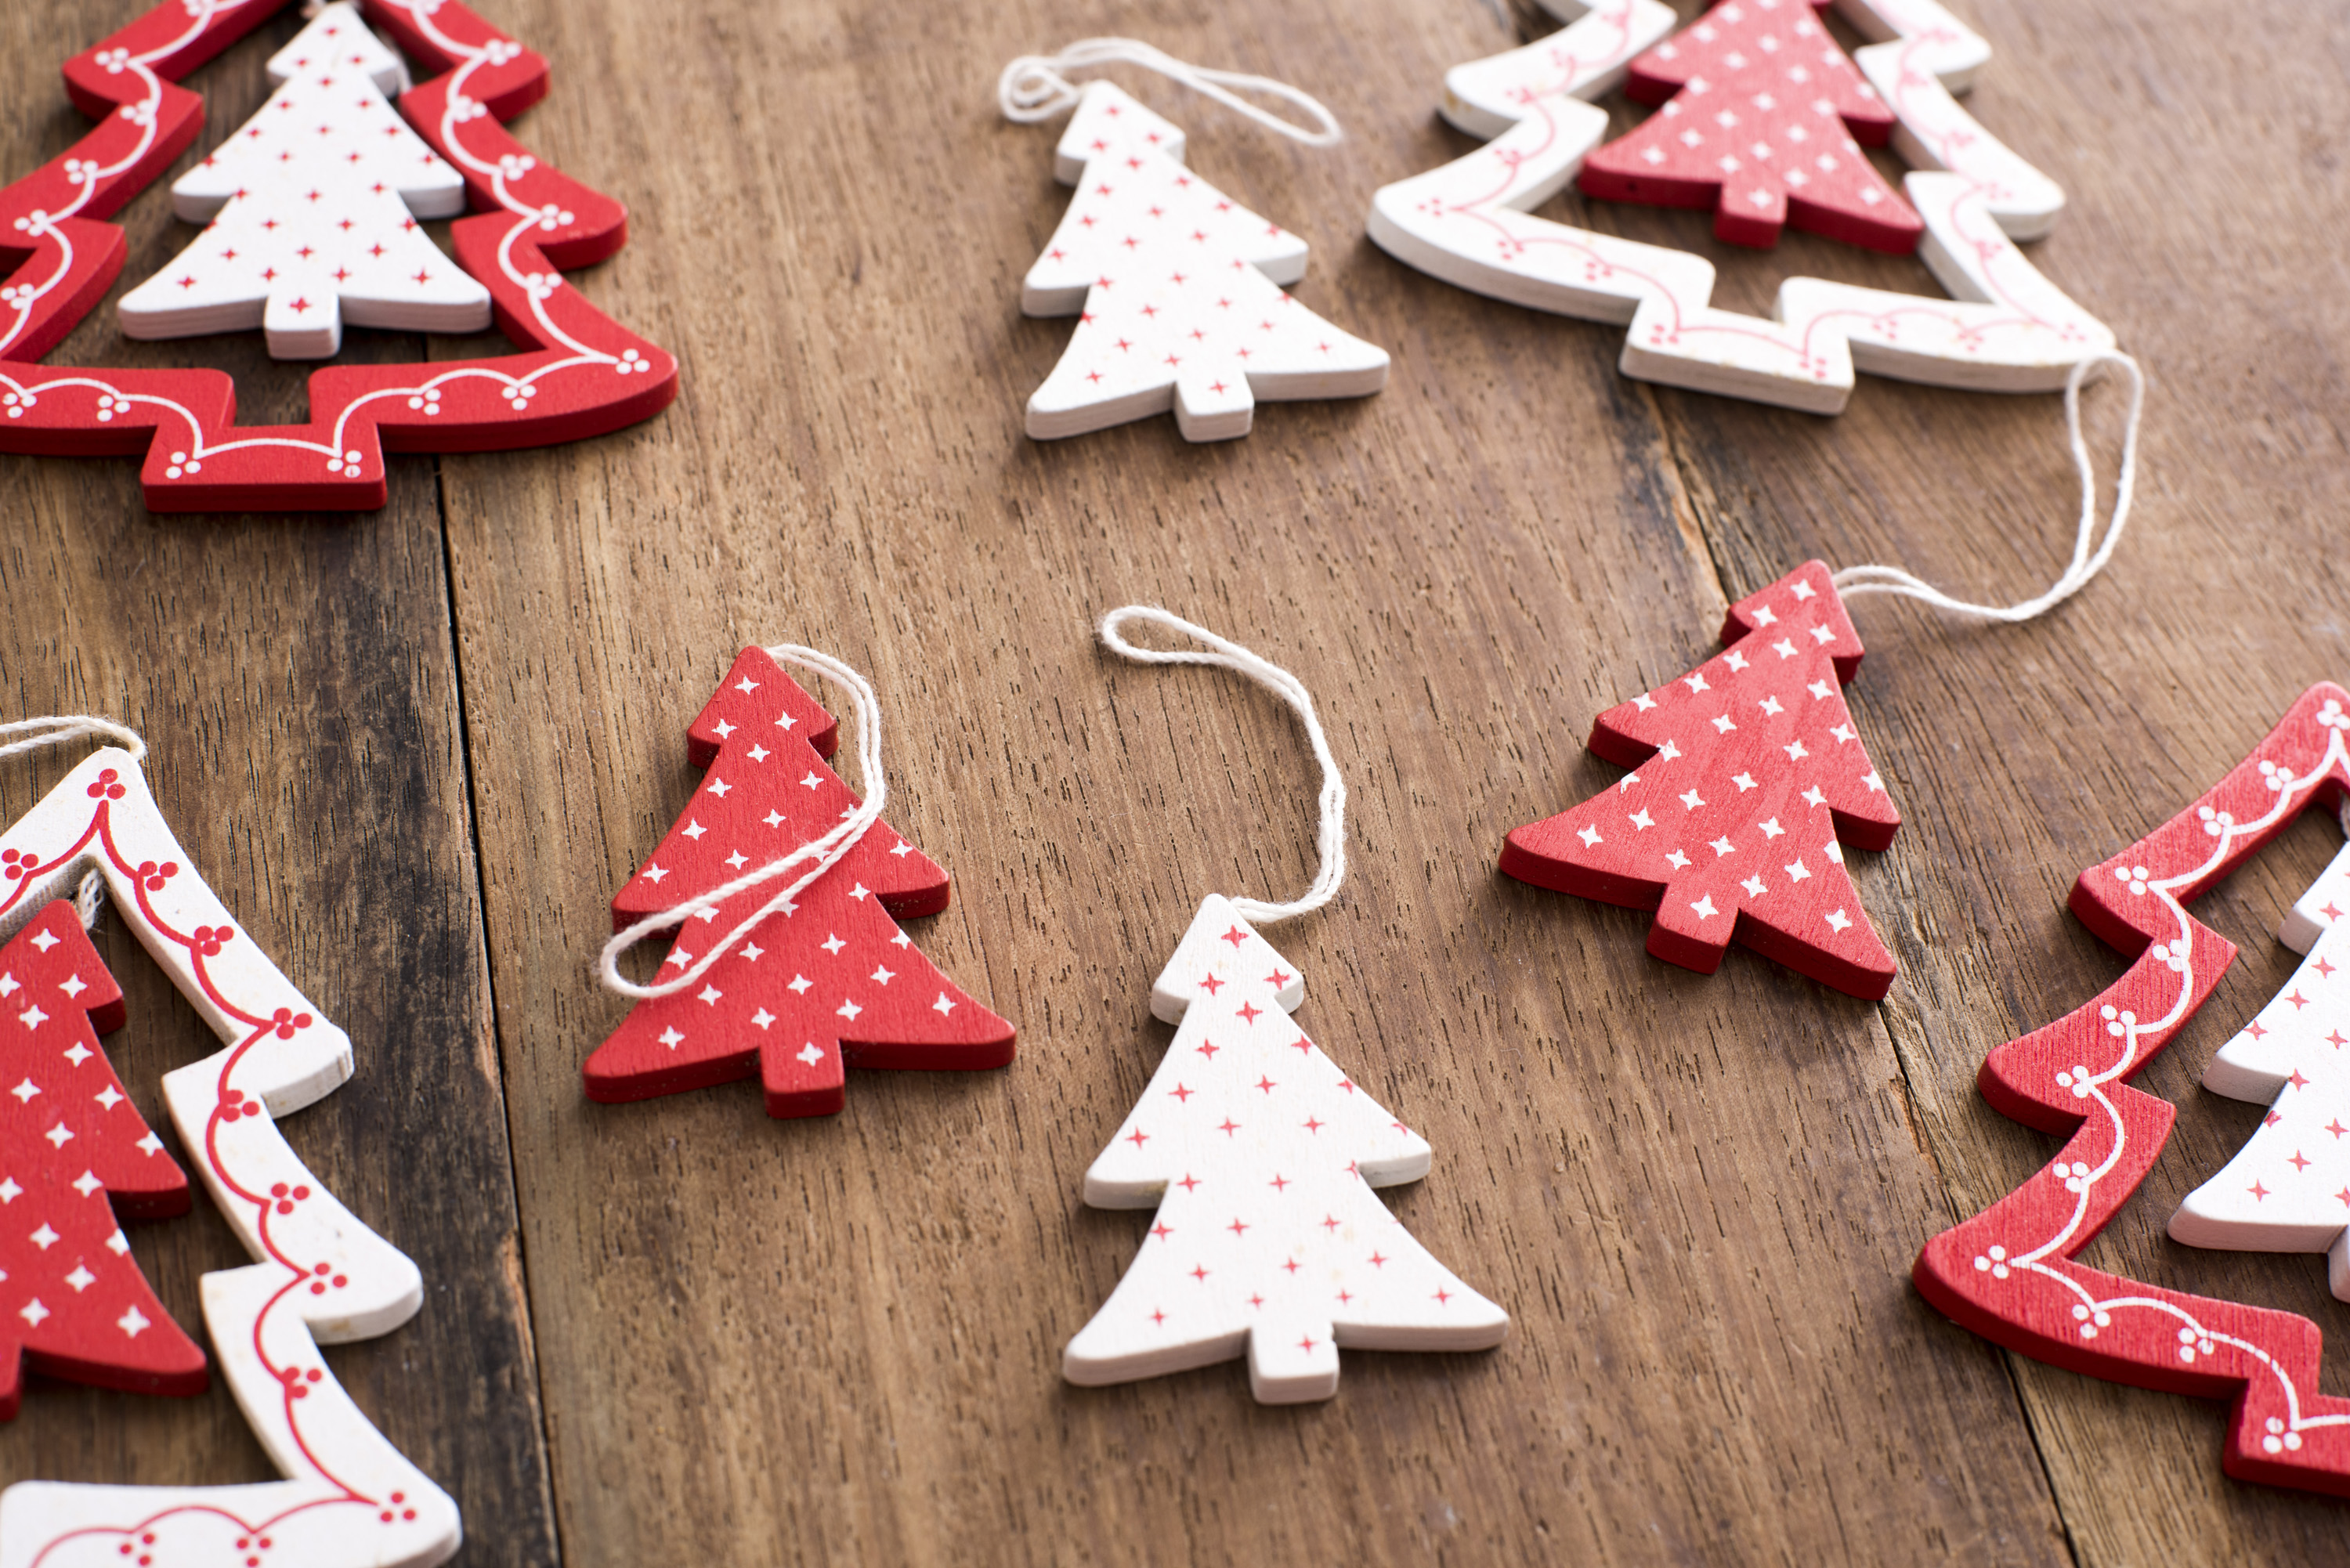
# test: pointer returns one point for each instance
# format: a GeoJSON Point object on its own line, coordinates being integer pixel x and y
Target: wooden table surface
{"type": "Point", "coordinates": [418, 750]}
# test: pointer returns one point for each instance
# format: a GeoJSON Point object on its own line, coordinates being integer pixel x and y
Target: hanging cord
{"type": "Point", "coordinates": [1853, 581]}
{"type": "Point", "coordinates": [1033, 88]}
{"type": "Point", "coordinates": [1331, 839]}
{"type": "Point", "coordinates": [826, 851]}
{"type": "Point", "coordinates": [90, 898]}
{"type": "Point", "coordinates": [61, 729]}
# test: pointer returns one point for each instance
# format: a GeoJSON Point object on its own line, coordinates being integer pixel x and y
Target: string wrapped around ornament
{"type": "Point", "coordinates": [1258, 1152]}
{"type": "Point", "coordinates": [799, 981]}
{"type": "Point", "coordinates": [1750, 779]}
{"type": "Point", "coordinates": [1177, 288]}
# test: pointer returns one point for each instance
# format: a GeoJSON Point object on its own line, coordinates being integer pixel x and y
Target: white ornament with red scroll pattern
{"type": "Point", "coordinates": [1259, 1154]}
{"type": "Point", "coordinates": [349, 1500]}
{"type": "Point", "coordinates": [2004, 327]}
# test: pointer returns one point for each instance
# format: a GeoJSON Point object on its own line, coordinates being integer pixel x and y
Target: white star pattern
{"type": "Point", "coordinates": [758, 1001]}
{"type": "Point", "coordinates": [1738, 792]}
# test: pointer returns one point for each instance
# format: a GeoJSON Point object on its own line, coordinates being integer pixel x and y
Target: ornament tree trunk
{"type": "Point", "coordinates": [827, 982]}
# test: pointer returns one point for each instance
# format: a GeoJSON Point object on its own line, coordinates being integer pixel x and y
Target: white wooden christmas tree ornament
{"type": "Point", "coordinates": [2004, 327]}
{"type": "Point", "coordinates": [2288, 1188]}
{"type": "Point", "coordinates": [313, 207]}
{"type": "Point", "coordinates": [1179, 289]}
{"type": "Point", "coordinates": [319, 1276]}
{"type": "Point", "coordinates": [1259, 1154]}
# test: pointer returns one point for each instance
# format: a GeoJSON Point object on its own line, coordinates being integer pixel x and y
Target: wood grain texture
{"type": "Point", "coordinates": [839, 1340]}
{"type": "Point", "coordinates": [294, 679]}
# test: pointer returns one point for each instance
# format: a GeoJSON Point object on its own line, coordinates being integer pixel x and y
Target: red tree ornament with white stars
{"type": "Point", "coordinates": [1763, 119]}
{"type": "Point", "coordinates": [1259, 1154]}
{"type": "Point", "coordinates": [1749, 779]}
{"type": "Point", "coordinates": [313, 207]}
{"type": "Point", "coordinates": [1177, 291]}
{"type": "Point", "coordinates": [828, 980]}
{"type": "Point", "coordinates": [2288, 1189]}
{"type": "Point", "coordinates": [72, 1301]}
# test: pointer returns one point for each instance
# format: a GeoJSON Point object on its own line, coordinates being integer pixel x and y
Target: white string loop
{"type": "Point", "coordinates": [63, 729]}
{"type": "Point", "coordinates": [1033, 88]}
{"type": "Point", "coordinates": [1331, 837]}
{"type": "Point", "coordinates": [1853, 581]}
{"type": "Point", "coordinates": [826, 852]}
{"type": "Point", "coordinates": [90, 898]}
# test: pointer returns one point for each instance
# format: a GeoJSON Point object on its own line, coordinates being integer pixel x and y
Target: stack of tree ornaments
{"type": "Point", "coordinates": [1176, 286]}
{"type": "Point", "coordinates": [1761, 114]}
{"type": "Point", "coordinates": [1749, 776]}
{"type": "Point", "coordinates": [2013, 1272]}
{"type": "Point", "coordinates": [313, 207]}
{"type": "Point", "coordinates": [792, 984]}
{"type": "Point", "coordinates": [1260, 1153]}
{"type": "Point", "coordinates": [318, 1275]}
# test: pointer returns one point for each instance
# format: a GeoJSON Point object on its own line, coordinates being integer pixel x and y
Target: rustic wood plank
{"type": "Point", "coordinates": [839, 1340]}
{"type": "Point", "coordinates": [2023, 755]}
{"type": "Point", "coordinates": [294, 678]}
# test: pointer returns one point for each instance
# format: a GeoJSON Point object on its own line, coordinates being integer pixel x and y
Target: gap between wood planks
{"type": "Point", "coordinates": [1685, 484]}
{"type": "Point", "coordinates": [490, 980]}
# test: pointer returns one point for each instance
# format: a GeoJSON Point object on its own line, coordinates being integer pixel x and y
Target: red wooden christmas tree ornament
{"type": "Point", "coordinates": [72, 1301]}
{"type": "Point", "coordinates": [1750, 779]}
{"type": "Point", "coordinates": [1763, 119]}
{"type": "Point", "coordinates": [576, 373]}
{"type": "Point", "coordinates": [2009, 1274]}
{"type": "Point", "coordinates": [828, 982]}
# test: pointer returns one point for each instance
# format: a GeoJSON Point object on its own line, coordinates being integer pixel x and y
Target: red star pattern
{"type": "Point", "coordinates": [307, 254]}
{"type": "Point", "coordinates": [1153, 259]}
{"type": "Point", "coordinates": [1749, 777]}
{"type": "Point", "coordinates": [2282, 1190]}
{"type": "Point", "coordinates": [72, 1301]}
{"type": "Point", "coordinates": [832, 980]}
{"type": "Point", "coordinates": [1297, 1250]}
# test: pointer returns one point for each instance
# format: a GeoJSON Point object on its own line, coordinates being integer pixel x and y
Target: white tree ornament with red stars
{"type": "Point", "coordinates": [2288, 1189]}
{"type": "Point", "coordinates": [1260, 1153]}
{"type": "Point", "coordinates": [1177, 289]}
{"type": "Point", "coordinates": [319, 1275]}
{"type": "Point", "coordinates": [313, 207]}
